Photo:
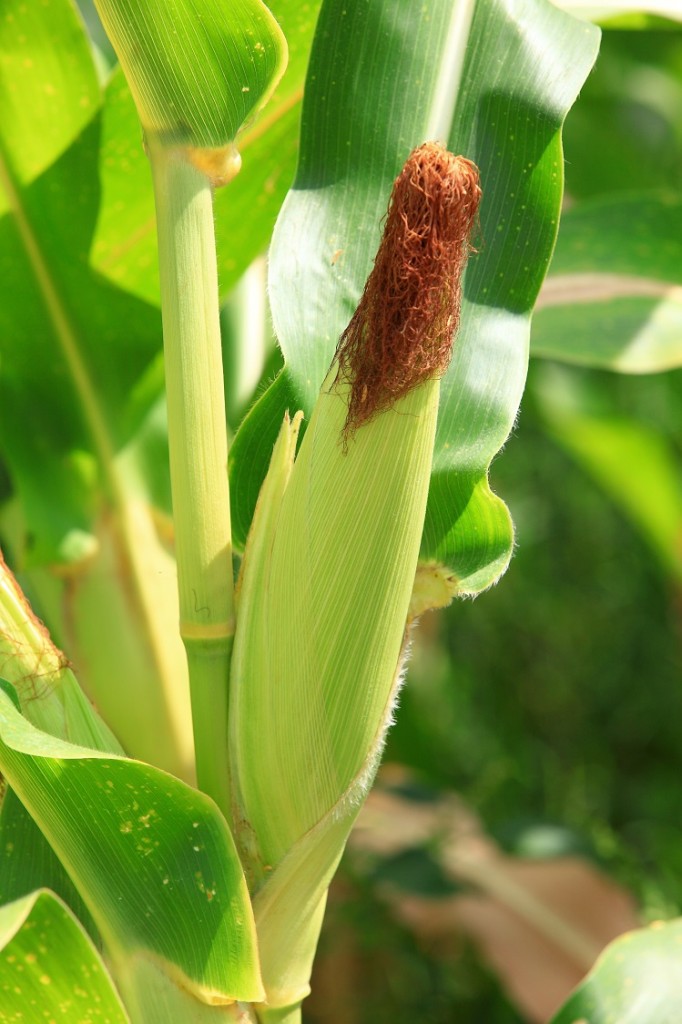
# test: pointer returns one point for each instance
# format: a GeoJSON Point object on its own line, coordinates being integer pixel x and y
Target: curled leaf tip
{"type": "Point", "coordinates": [402, 331]}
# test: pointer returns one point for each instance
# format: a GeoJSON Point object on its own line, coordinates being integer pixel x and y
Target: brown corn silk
{"type": "Point", "coordinates": [402, 331]}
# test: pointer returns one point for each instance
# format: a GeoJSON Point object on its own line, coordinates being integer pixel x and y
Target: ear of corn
{"type": "Point", "coordinates": [321, 622]}
{"type": "Point", "coordinates": [322, 616]}
{"type": "Point", "coordinates": [329, 569]}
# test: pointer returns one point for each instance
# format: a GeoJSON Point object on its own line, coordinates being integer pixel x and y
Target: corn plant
{"type": "Point", "coordinates": [167, 848]}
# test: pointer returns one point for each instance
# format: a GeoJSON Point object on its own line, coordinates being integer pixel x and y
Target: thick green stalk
{"type": "Point", "coordinates": [198, 451]}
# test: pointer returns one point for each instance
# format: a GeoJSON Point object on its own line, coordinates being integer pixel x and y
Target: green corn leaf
{"type": "Point", "coordinates": [57, 318]}
{"type": "Point", "coordinates": [197, 70]}
{"type": "Point", "coordinates": [49, 968]}
{"type": "Point", "coordinates": [636, 980]}
{"type": "Point", "coordinates": [613, 297]}
{"type": "Point", "coordinates": [617, 11]}
{"type": "Point", "coordinates": [48, 85]}
{"type": "Point", "coordinates": [495, 81]}
{"type": "Point", "coordinates": [28, 862]}
{"type": "Point", "coordinates": [124, 243]}
{"type": "Point", "coordinates": [130, 838]}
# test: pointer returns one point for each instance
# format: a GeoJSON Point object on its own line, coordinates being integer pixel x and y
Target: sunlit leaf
{"type": "Point", "coordinates": [49, 968]}
{"type": "Point", "coordinates": [606, 10]}
{"type": "Point", "coordinates": [160, 43]}
{"type": "Point", "coordinates": [76, 353]}
{"type": "Point", "coordinates": [497, 90]}
{"type": "Point", "coordinates": [124, 243]}
{"type": "Point", "coordinates": [48, 86]}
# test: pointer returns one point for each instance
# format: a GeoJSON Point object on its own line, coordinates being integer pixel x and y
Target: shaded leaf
{"type": "Point", "coordinates": [160, 43]}
{"type": "Point", "coordinates": [28, 862]}
{"type": "Point", "coordinates": [637, 980]}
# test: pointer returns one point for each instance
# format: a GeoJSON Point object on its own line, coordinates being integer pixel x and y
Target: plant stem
{"type": "Point", "coordinates": [197, 437]}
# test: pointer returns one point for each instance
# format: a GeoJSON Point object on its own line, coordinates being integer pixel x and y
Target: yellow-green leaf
{"type": "Point", "coordinates": [197, 68]}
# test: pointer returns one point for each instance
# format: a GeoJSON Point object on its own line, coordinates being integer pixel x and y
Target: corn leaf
{"type": "Point", "coordinates": [637, 980]}
{"type": "Point", "coordinates": [130, 838]}
{"type": "Point", "coordinates": [613, 298]}
{"type": "Point", "coordinates": [49, 696]}
{"type": "Point", "coordinates": [28, 862]}
{"type": "Point", "coordinates": [495, 80]}
{"type": "Point", "coordinates": [49, 968]}
{"type": "Point", "coordinates": [124, 243]}
{"type": "Point", "coordinates": [239, 48]}
{"type": "Point", "coordinates": [608, 10]}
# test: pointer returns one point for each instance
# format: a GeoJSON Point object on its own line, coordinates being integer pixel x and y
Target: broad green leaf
{"type": "Point", "coordinates": [28, 862]}
{"type": "Point", "coordinates": [48, 86]}
{"type": "Point", "coordinates": [239, 49]}
{"type": "Point", "coordinates": [64, 357]}
{"type": "Point", "coordinates": [494, 79]}
{"type": "Point", "coordinates": [124, 243]}
{"type": "Point", "coordinates": [152, 858]}
{"type": "Point", "coordinates": [636, 980]}
{"type": "Point", "coordinates": [49, 968]}
{"type": "Point", "coordinates": [613, 297]}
